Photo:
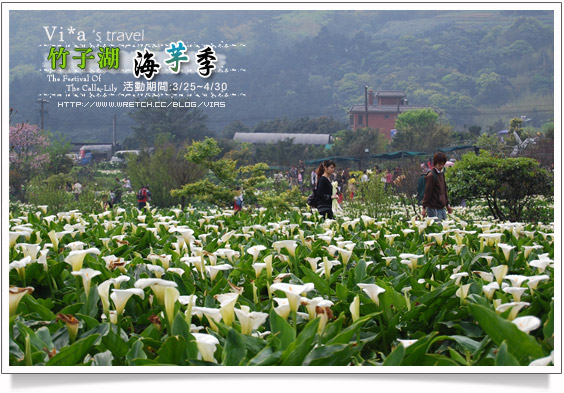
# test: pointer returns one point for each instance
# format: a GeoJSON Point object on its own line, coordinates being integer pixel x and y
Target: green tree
{"type": "Point", "coordinates": [163, 170]}
{"type": "Point", "coordinates": [184, 124]}
{"type": "Point", "coordinates": [232, 128]}
{"type": "Point", "coordinates": [51, 192]}
{"type": "Point", "coordinates": [509, 185]}
{"type": "Point", "coordinates": [286, 153]}
{"type": "Point", "coordinates": [59, 161]}
{"type": "Point", "coordinates": [515, 125]}
{"type": "Point", "coordinates": [420, 130]}
{"type": "Point", "coordinates": [371, 198]}
{"type": "Point", "coordinates": [475, 130]}
{"type": "Point", "coordinates": [354, 143]}
{"type": "Point", "coordinates": [491, 88]}
{"type": "Point", "coordinates": [548, 129]}
{"type": "Point", "coordinates": [223, 176]}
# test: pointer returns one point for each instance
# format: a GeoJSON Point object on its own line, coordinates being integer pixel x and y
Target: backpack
{"type": "Point", "coordinates": [421, 185]}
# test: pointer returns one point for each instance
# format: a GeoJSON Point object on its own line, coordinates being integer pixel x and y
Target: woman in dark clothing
{"type": "Point", "coordinates": [324, 191]}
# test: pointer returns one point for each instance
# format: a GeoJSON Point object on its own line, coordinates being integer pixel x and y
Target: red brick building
{"type": "Point", "coordinates": [381, 115]}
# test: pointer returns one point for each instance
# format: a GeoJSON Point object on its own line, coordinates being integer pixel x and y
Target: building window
{"type": "Point", "coordinates": [360, 120]}
{"type": "Point", "coordinates": [351, 120]}
{"type": "Point", "coordinates": [387, 116]}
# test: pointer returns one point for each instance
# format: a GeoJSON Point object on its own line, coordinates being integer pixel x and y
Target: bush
{"type": "Point", "coordinates": [281, 201]}
{"type": "Point", "coordinates": [51, 192]}
{"type": "Point", "coordinates": [509, 185]}
{"type": "Point", "coordinates": [371, 199]}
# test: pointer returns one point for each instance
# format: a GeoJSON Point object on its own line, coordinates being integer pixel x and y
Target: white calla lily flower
{"type": "Point", "coordinates": [76, 257]}
{"type": "Point", "coordinates": [527, 323]}
{"type": "Point", "coordinates": [171, 295]}
{"type": "Point", "coordinates": [250, 320]}
{"type": "Point", "coordinates": [543, 361]}
{"type": "Point", "coordinates": [16, 295]}
{"type": "Point", "coordinates": [268, 265]}
{"type": "Point", "coordinates": [283, 307]}
{"type": "Point", "coordinates": [500, 272]}
{"type": "Point", "coordinates": [516, 279]}
{"type": "Point", "coordinates": [486, 276]}
{"type": "Point", "coordinates": [354, 308]}
{"type": "Point", "coordinates": [462, 292]}
{"type": "Point", "coordinates": [164, 259]}
{"type": "Point", "coordinates": [121, 296]}
{"type": "Point", "coordinates": [534, 281]}
{"type": "Point", "coordinates": [490, 289]}
{"type": "Point", "coordinates": [206, 345]}
{"type": "Point", "coordinates": [515, 307]}
{"type": "Point", "coordinates": [14, 236]}
{"type": "Point", "coordinates": [325, 267]}
{"type": "Point", "coordinates": [255, 251]}
{"type": "Point", "coordinates": [312, 304]}
{"type": "Point", "coordinates": [157, 286]}
{"type": "Point", "coordinates": [516, 292]}
{"type": "Point", "coordinates": [213, 270]}
{"type": "Point", "coordinates": [373, 291]}
{"type": "Point", "coordinates": [76, 245]}
{"type": "Point", "coordinates": [506, 248]}
{"type": "Point", "coordinates": [87, 275]}
{"type": "Point", "coordinates": [406, 343]}
{"type": "Point", "coordinates": [289, 245]}
{"type": "Point", "coordinates": [258, 266]}
{"type": "Point", "coordinates": [29, 250]}
{"type": "Point", "coordinates": [293, 292]}
{"type": "Point", "coordinates": [157, 270]}
{"type": "Point", "coordinates": [227, 306]}
{"type": "Point", "coordinates": [541, 264]}
{"type": "Point", "coordinates": [458, 276]}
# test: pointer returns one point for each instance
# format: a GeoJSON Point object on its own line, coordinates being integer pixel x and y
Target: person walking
{"type": "Point", "coordinates": [388, 178]}
{"type": "Point", "coordinates": [116, 191]}
{"type": "Point", "coordinates": [435, 199]}
{"type": "Point", "coordinates": [143, 196]}
{"type": "Point", "coordinates": [313, 179]}
{"type": "Point", "coordinates": [324, 190]}
{"type": "Point", "coordinates": [238, 200]}
{"type": "Point", "coordinates": [77, 190]}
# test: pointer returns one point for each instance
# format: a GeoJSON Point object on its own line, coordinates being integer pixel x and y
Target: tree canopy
{"type": "Point", "coordinates": [507, 184]}
{"type": "Point", "coordinates": [182, 123]}
{"type": "Point", "coordinates": [420, 129]}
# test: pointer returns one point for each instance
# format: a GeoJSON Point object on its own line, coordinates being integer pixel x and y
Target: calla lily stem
{"type": "Point", "coordinates": [295, 320]}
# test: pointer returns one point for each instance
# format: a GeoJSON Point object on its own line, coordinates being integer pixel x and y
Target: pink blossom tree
{"type": "Point", "coordinates": [28, 155]}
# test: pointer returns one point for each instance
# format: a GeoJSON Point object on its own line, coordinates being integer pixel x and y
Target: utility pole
{"type": "Point", "coordinates": [42, 101]}
{"type": "Point", "coordinates": [114, 134]}
{"type": "Point", "coordinates": [366, 104]}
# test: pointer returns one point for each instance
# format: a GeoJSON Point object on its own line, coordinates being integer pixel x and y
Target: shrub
{"type": "Point", "coordinates": [371, 199]}
{"type": "Point", "coordinates": [509, 185]}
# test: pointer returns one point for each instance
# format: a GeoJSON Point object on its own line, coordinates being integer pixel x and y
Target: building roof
{"type": "Point", "coordinates": [390, 93]}
{"type": "Point", "coordinates": [386, 108]}
{"type": "Point", "coordinates": [298, 139]}
{"type": "Point", "coordinates": [97, 148]}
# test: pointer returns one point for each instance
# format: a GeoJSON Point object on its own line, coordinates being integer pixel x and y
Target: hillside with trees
{"type": "Point", "coordinates": [481, 68]}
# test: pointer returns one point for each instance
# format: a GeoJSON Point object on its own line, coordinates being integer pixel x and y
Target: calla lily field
{"type": "Point", "coordinates": [189, 287]}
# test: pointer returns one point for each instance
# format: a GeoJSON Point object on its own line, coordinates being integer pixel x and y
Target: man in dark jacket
{"type": "Point", "coordinates": [435, 199]}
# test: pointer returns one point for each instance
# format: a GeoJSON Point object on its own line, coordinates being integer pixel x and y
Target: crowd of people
{"type": "Point", "coordinates": [432, 191]}
{"type": "Point", "coordinates": [331, 186]}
